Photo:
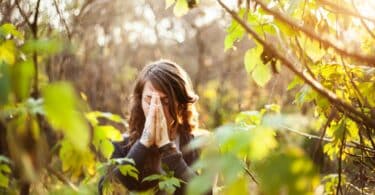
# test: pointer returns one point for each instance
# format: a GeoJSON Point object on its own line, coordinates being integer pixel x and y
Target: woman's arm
{"type": "Point", "coordinates": [138, 153]}
{"type": "Point", "coordinates": [173, 159]}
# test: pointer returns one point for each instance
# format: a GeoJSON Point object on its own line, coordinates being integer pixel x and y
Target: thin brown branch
{"type": "Point", "coordinates": [62, 178]}
{"type": "Point", "coordinates": [339, 171]}
{"type": "Point", "coordinates": [331, 116]}
{"type": "Point", "coordinates": [352, 144]}
{"type": "Point", "coordinates": [62, 19]}
{"type": "Point", "coordinates": [305, 57]}
{"type": "Point", "coordinates": [251, 175]}
{"type": "Point", "coordinates": [34, 29]}
{"type": "Point", "coordinates": [340, 9]}
{"type": "Point", "coordinates": [362, 21]}
{"type": "Point", "coordinates": [317, 86]}
{"type": "Point", "coordinates": [369, 60]}
{"type": "Point", "coordinates": [23, 14]}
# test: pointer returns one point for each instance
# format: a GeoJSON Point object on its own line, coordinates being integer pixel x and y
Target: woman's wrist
{"type": "Point", "coordinates": [163, 143]}
{"type": "Point", "coordinates": [168, 148]}
{"type": "Point", "coordinates": [146, 143]}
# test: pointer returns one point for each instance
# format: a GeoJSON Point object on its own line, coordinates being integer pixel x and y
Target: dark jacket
{"type": "Point", "coordinates": [169, 155]}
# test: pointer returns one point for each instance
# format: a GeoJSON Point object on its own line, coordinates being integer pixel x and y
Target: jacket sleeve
{"type": "Point", "coordinates": [138, 153]}
{"type": "Point", "coordinates": [173, 159]}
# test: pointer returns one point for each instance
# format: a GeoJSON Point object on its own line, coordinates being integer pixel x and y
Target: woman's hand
{"type": "Point", "coordinates": [148, 134]}
{"type": "Point", "coordinates": [161, 130]}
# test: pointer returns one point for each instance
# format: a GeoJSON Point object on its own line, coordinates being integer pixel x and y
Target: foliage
{"type": "Point", "coordinates": [52, 137]}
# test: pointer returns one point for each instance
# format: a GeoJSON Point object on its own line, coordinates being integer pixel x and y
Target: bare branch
{"type": "Point", "coordinates": [23, 14]}
{"type": "Point", "coordinates": [62, 178]}
{"type": "Point", "coordinates": [63, 21]}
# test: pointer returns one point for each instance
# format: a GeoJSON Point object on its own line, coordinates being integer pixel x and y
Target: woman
{"type": "Point", "coordinates": [162, 121]}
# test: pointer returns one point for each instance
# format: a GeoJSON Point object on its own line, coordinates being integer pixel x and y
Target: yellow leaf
{"type": "Point", "coordinates": [7, 52]}
{"type": "Point", "coordinates": [181, 8]}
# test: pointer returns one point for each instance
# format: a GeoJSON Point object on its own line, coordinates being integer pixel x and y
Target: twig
{"type": "Point", "coordinates": [63, 21]}
{"type": "Point", "coordinates": [340, 104]}
{"type": "Point", "coordinates": [62, 178]}
{"type": "Point", "coordinates": [324, 128]}
{"type": "Point", "coordinates": [339, 189]}
{"type": "Point", "coordinates": [326, 139]}
{"type": "Point", "coordinates": [23, 14]}
{"type": "Point", "coordinates": [370, 60]}
{"type": "Point", "coordinates": [34, 29]}
{"type": "Point", "coordinates": [251, 175]}
{"type": "Point", "coordinates": [344, 10]}
{"type": "Point", "coordinates": [363, 22]}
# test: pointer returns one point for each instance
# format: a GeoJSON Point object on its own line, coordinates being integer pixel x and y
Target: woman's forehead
{"type": "Point", "coordinates": [148, 89]}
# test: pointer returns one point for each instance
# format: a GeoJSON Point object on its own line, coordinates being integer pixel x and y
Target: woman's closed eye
{"type": "Point", "coordinates": [147, 99]}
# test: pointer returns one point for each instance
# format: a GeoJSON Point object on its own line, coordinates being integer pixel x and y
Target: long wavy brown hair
{"type": "Point", "coordinates": [169, 78]}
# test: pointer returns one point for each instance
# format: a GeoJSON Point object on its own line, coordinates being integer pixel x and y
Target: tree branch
{"type": "Point", "coordinates": [23, 14]}
{"type": "Point", "coordinates": [62, 178]}
{"type": "Point", "coordinates": [63, 21]}
{"type": "Point", "coordinates": [369, 60]}
{"type": "Point", "coordinates": [339, 189]}
{"type": "Point", "coordinates": [363, 22]}
{"type": "Point", "coordinates": [344, 10]}
{"type": "Point", "coordinates": [339, 104]}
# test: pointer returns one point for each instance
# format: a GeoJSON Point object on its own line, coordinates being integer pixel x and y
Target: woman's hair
{"type": "Point", "coordinates": [171, 79]}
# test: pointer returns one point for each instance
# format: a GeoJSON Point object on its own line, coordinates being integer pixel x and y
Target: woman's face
{"type": "Point", "coordinates": [148, 89]}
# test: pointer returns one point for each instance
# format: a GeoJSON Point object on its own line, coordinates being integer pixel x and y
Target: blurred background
{"type": "Point", "coordinates": [110, 42]}
{"type": "Point", "coordinates": [99, 47]}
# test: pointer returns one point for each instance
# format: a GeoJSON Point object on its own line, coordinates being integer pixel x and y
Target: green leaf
{"type": "Point", "coordinates": [235, 32]}
{"type": "Point", "coordinates": [169, 185]}
{"type": "Point", "coordinates": [102, 137]}
{"type": "Point", "coordinates": [4, 181]}
{"type": "Point", "coordinates": [261, 74]}
{"type": "Point", "coordinates": [109, 132]}
{"type": "Point", "coordinates": [4, 83]}
{"type": "Point", "coordinates": [252, 117]}
{"type": "Point", "coordinates": [8, 52]}
{"type": "Point", "coordinates": [77, 161]}
{"type": "Point", "coordinates": [312, 48]}
{"type": "Point", "coordinates": [129, 170]}
{"type": "Point", "coordinates": [107, 148]}
{"type": "Point", "coordinates": [240, 186]}
{"type": "Point", "coordinates": [93, 117]}
{"type": "Point", "coordinates": [181, 8]}
{"type": "Point", "coordinates": [43, 46]}
{"type": "Point", "coordinates": [61, 106]}
{"type": "Point", "coordinates": [22, 77]}
{"type": "Point", "coordinates": [5, 168]}
{"type": "Point", "coordinates": [252, 58]}
{"type": "Point", "coordinates": [287, 171]}
{"type": "Point", "coordinates": [294, 83]}
{"type": "Point", "coordinates": [9, 29]}
{"type": "Point", "coordinates": [153, 177]}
